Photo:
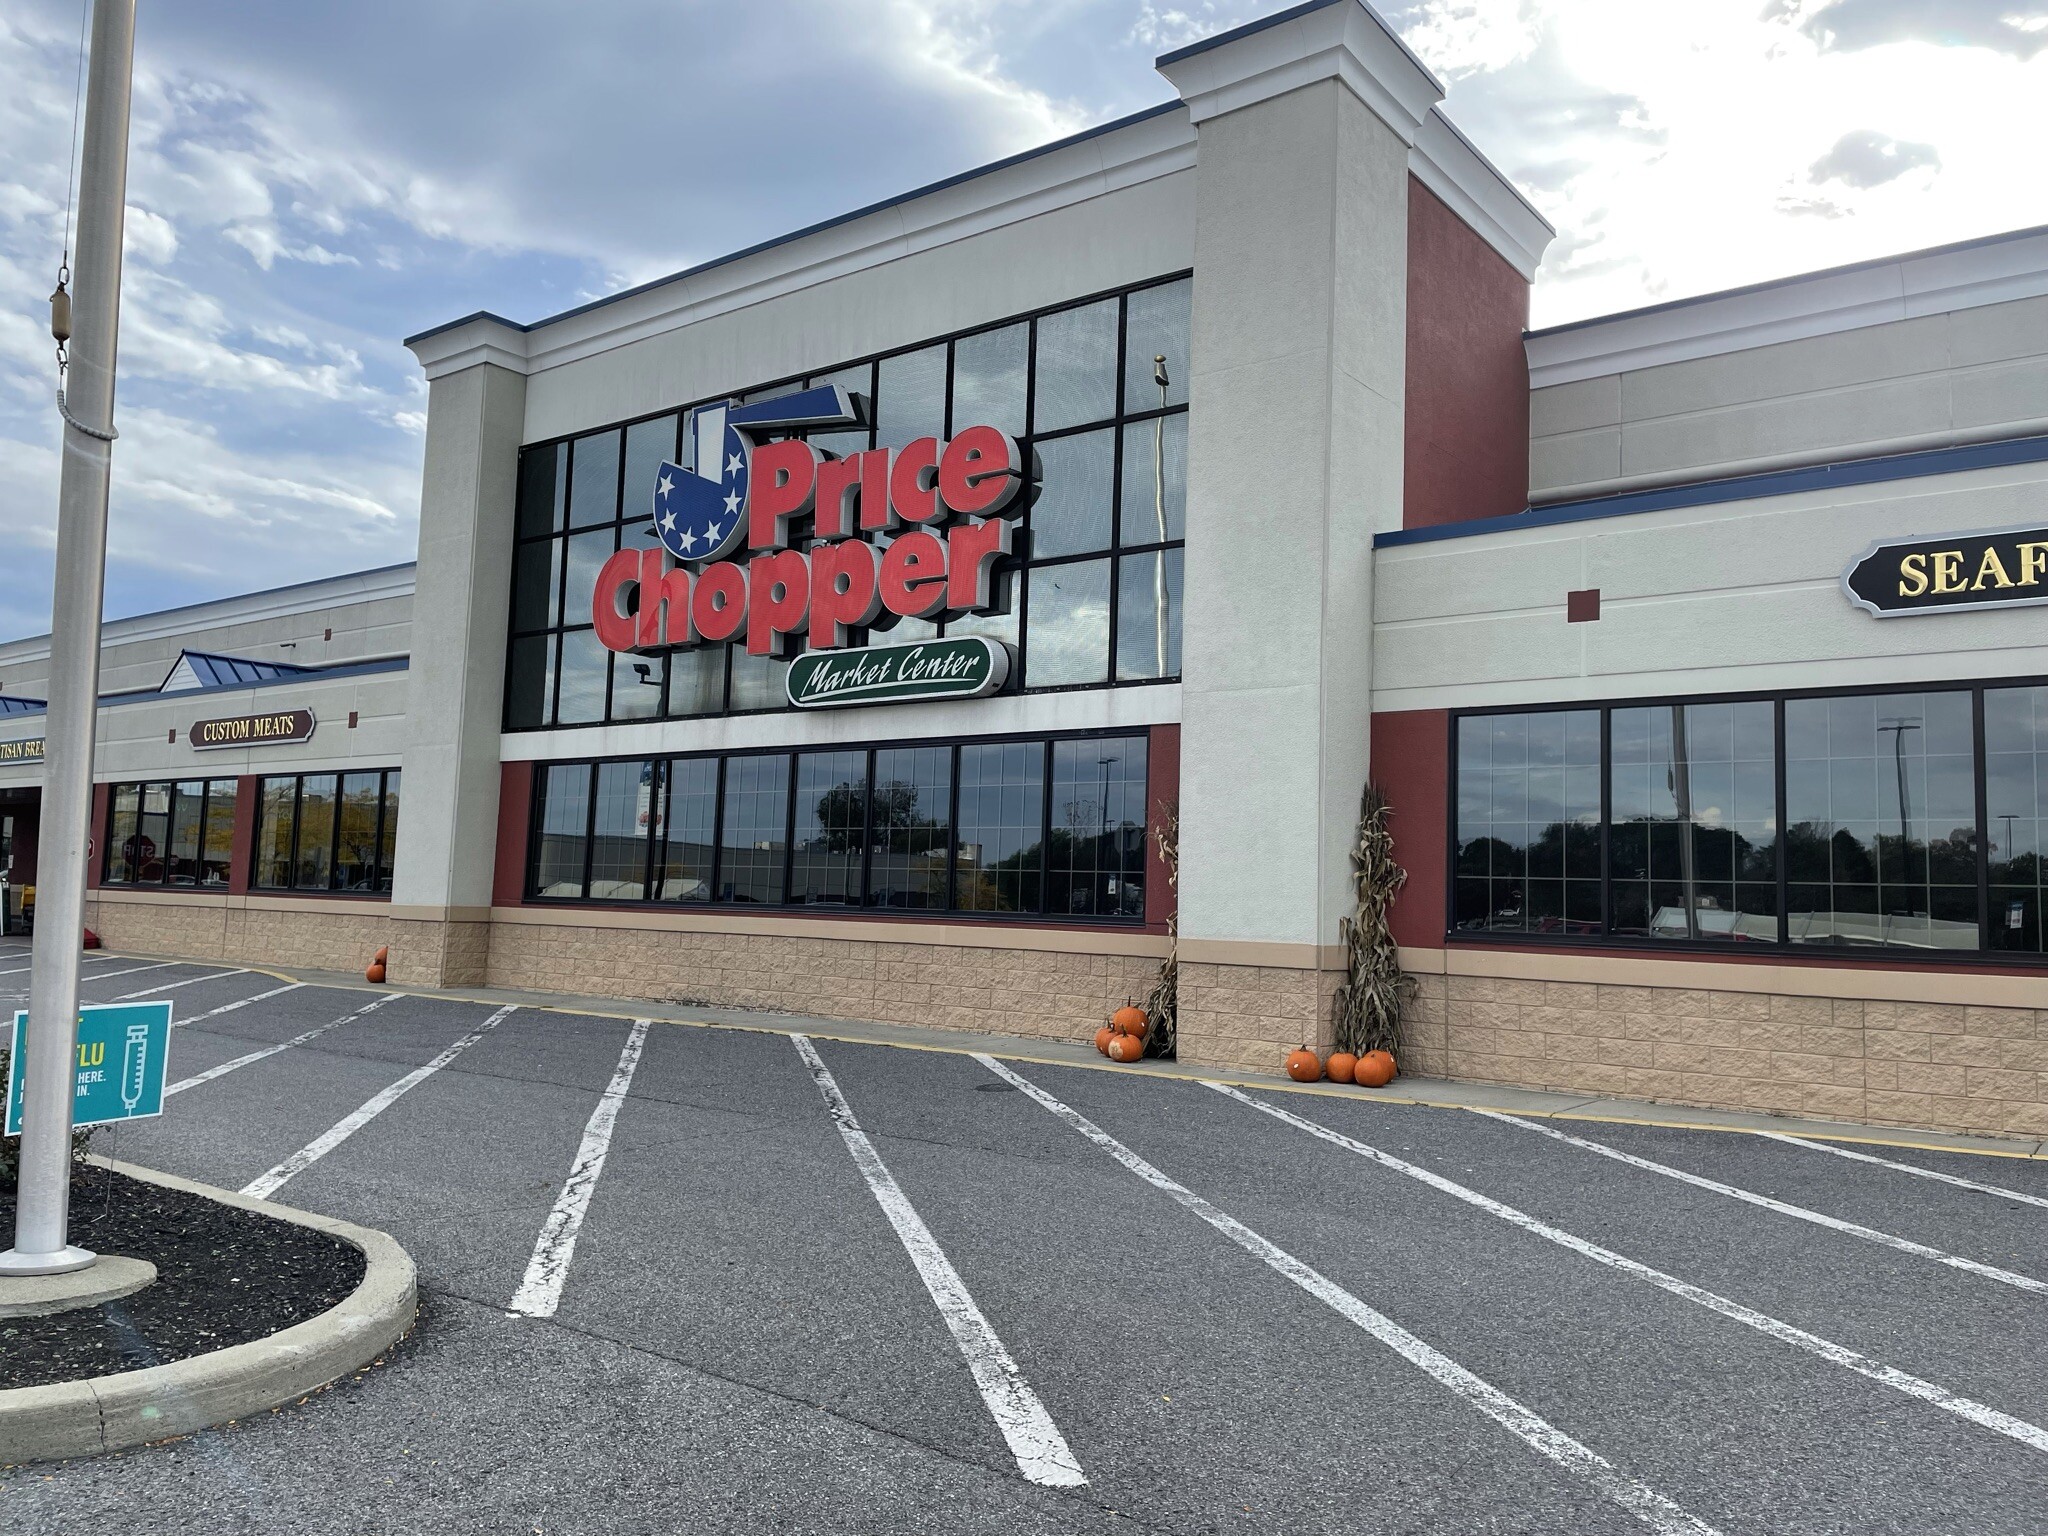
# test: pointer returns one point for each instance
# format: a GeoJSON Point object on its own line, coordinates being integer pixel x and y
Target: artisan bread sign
{"type": "Point", "coordinates": [1990, 568]}
{"type": "Point", "coordinates": [253, 730]}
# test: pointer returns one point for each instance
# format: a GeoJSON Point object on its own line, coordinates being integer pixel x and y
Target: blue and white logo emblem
{"type": "Point", "coordinates": [701, 514]}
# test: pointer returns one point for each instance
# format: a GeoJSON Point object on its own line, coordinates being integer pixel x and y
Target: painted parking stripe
{"type": "Point", "coordinates": [540, 1292]}
{"type": "Point", "coordinates": [271, 1050]}
{"type": "Point", "coordinates": [2032, 1436]}
{"type": "Point", "coordinates": [1640, 1500]}
{"type": "Point", "coordinates": [1799, 1212]}
{"type": "Point", "coordinates": [154, 965]}
{"type": "Point", "coordinates": [23, 970]}
{"type": "Point", "coordinates": [189, 981]}
{"type": "Point", "coordinates": [270, 1183]}
{"type": "Point", "coordinates": [1956, 1180]}
{"type": "Point", "coordinates": [1040, 1449]}
{"type": "Point", "coordinates": [240, 1002]}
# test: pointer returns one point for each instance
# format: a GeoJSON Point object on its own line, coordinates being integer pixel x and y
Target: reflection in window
{"type": "Point", "coordinates": [1693, 847]}
{"type": "Point", "coordinates": [696, 681]}
{"type": "Point", "coordinates": [563, 841]}
{"type": "Point", "coordinates": [585, 666]}
{"type": "Point", "coordinates": [1002, 814]}
{"type": "Point", "coordinates": [755, 829]}
{"type": "Point", "coordinates": [618, 831]}
{"type": "Point", "coordinates": [1071, 512]}
{"type": "Point", "coordinates": [759, 682]}
{"type": "Point", "coordinates": [276, 803]}
{"type": "Point", "coordinates": [1095, 854]}
{"type": "Point", "coordinates": [910, 397]}
{"type": "Point", "coordinates": [543, 489]}
{"type": "Point", "coordinates": [187, 801]}
{"type": "Point", "coordinates": [2016, 811]}
{"type": "Point", "coordinates": [171, 834]}
{"type": "Point", "coordinates": [355, 855]}
{"type": "Point", "coordinates": [153, 834]}
{"type": "Point", "coordinates": [1148, 615]}
{"type": "Point", "coordinates": [387, 834]}
{"type": "Point", "coordinates": [648, 445]}
{"type": "Point", "coordinates": [587, 554]}
{"type": "Point", "coordinates": [1880, 821]}
{"type": "Point", "coordinates": [1067, 624]}
{"type": "Point", "coordinates": [528, 672]}
{"type": "Point", "coordinates": [1528, 822]}
{"type": "Point", "coordinates": [122, 849]}
{"type": "Point", "coordinates": [1076, 367]}
{"type": "Point", "coordinates": [594, 480]}
{"type": "Point", "coordinates": [990, 379]}
{"type": "Point", "coordinates": [831, 827]}
{"type": "Point", "coordinates": [636, 686]}
{"type": "Point", "coordinates": [217, 842]}
{"type": "Point", "coordinates": [1154, 505]}
{"type": "Point", "coordinates": [1156, 341]}
{"type": "Point", "coordinates": [910, 813]}
{"type": "Point", "coordinates": [536, 576]}
{"type": "Point", "coordinates": [685, 839]}
{"type": "Point", "coordinates": [316, 832]}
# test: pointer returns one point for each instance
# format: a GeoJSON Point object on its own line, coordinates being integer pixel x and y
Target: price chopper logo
{"type": "Point", "coordinates": [943, 509]}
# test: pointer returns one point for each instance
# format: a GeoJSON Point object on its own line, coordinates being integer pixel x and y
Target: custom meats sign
{"type": "Point", "coordinates": [725, 571]}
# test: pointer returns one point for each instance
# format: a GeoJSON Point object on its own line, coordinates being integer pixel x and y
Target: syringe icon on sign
{"type": "Point", "coordinates": [134, 1065]}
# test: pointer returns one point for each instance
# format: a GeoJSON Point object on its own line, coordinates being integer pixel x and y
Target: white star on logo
{"type": "Point", "coordinates": [665, 487]}
{"type": "Point", "coordinates": [732, 465]}
{"type": "Point", "coordinates": [711, 532]}
{"type": "Point", "coordinates": [668, 522]}
{"type": "Point", "coordinates": [687, 539]}
{"type": "Point", "coordinates": [732, 501]}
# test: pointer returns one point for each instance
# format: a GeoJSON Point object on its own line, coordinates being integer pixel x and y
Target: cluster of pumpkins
{"type": "Point", "coordinates": [375, 970]}
{"type": "Point", "coordinates": [1123, 1037]}
{"type": "Point", "coordinates": [1375, 1069]}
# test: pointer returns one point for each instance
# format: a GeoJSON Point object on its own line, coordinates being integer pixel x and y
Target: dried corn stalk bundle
{"type": "Point", "coordinates": [1365, 1012]}
{"type": "Point", "coordinates": [1159, 1004]}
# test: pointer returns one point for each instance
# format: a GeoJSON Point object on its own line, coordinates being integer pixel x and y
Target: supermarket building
{"type": "Point", "coordinates": [1207, 463]}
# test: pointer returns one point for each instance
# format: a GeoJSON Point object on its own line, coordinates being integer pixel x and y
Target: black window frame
{"type": "Point", "coordinates": [1780, 949]}
{"type": "Point", "coordinates": [380, 877]}
{"type": "Point", "coordinates": [1014, 571]}
{"type": "Point", "coordinates": [207, 804]}
{"type": "Point", "coordinates": [859, 907]}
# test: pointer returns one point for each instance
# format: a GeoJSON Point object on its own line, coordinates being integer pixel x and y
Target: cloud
{"type": "Point", "coordinates": [1864, 157]}
{"type": "Point", "coordinates": [2013, 27]}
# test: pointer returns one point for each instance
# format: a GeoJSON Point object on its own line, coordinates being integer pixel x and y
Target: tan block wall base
{"type": "Point", "coordinates": [291, 934]}
{"type": "Point", "coordinates": [429, 953]}
{"type": "Point", "coordinates": [1936, 1066]}
{"type": "Point", "coordinates": [1246, 1018]}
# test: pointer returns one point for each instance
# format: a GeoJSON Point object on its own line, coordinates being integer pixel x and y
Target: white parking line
{"type": "Point", "coordinates": [171, 986]}
{"type": "Point", "coordinates": [271, 1050]}
{"type": "Point", "coordinates": [270, 1183]}
{"type": "Point", "coordinates": [155, 965]}
{"type": "Point", "coordinates": [1041, 1450]}
{"type": "Point", "coordinates": [540, 1292]}
{"type": "Point", "coordinates": [1640, 1500]}
{"type": "Point", "coordinates": [2030, 1435]}
{"type": "Point", "coordinates": [1918, 1173]}
{"type": "Point", "coordinates": [23, 970]}
{"type": "Point", "coordinates": [242, 1002]}
{"type": "Point", "coordinates": [1799, 1212]}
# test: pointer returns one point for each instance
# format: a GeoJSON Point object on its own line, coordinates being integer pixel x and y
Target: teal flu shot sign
{"type": "Point", "coordinates": [122, 1050]}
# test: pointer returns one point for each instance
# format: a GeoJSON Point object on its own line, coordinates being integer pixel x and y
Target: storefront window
{"type": "Point", "coordinates": [1071, 515]}
{"type": "Point", "coordinates": [910, 397]}
{"type": "Point", "coordinates": [910, 817]}
{"type": "Point", "coordinates": [2016, 813]}
{"type": "Point", "coordinates": [1076, 369]}
{"type": "Point", "coordinates": [991, 379]}
{"type": "Point", "coordinates": [1156, 342]}
{"type": "Point", "coordinates": [688, 830]}
{"type": "Point", "coordinates": [1000, 850]}
{"type": "Point", "coordinates": [1066, 626]}
{"type": "Point", "coordinates": [1528, 823]}
{"type": "Point", "coordinates": [831, 827]}
{"type": "Point", "coordinates": [122, 807]}
{"type": "Point", "coordinates": [323, 831]}
{"type": "Point", "coordinates": [277, 814]}
{"type": "Point", "coordinates": [562, 844]}
{"type": "Point", "coordinates": [594, 479]}
{"type": "Point", "coordinates": [619, 828]}
{"type": "Point", "coordinates": [753, 834]}
{"type": "Point", "coordinates": [1095, 853]}
{"type": "Point", "coordinates": [178, 834]}
{"type": "Point", "coordinates": [356, 847]}
{"type": "Point", "coordinates": [1155, 482]}
{"type": "Point", "coordinates": [1148, 615]}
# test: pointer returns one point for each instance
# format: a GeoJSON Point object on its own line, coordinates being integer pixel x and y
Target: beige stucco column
{"type": "Point", "coordinates": [441, 890]}
{"type": "Point", "coordinates": [1294, 461]}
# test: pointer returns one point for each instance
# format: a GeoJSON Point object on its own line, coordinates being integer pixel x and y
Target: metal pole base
{"type": "Point", "coordinates": [62, 1262]}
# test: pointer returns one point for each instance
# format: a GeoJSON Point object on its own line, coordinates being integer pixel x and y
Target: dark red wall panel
{"type": "Point", "coordinates": [1468, 378]}
{"type": "Point", "coordinates": [1411, 765]}
{"type": "Point", "coordinates": [515, 809]}
{"type": "Point", "coordinates": [1162, 788]}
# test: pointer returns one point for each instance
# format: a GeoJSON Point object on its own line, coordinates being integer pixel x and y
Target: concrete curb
{"type": "Point", "coordinates": [111, 1413]}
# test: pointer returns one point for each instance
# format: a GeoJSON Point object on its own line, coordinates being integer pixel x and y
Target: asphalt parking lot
{"type": "Point", "coordinates": [713, 1279]}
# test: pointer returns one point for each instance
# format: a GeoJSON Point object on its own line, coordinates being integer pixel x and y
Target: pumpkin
{"type": "Point", "coordinates": [1375, 1069]}
{"type": "Point", "coordinates": [374, 972]}
{"type": "Point", "coordinates": [383, 955]}
{"type": "Point", "coordinates": [1303, 1065]}
{"type": "Point", "coordinates": [1340, 1066]}
{"type": "Point", "coordinates": [1102, 1038]}
{"type": "Point", "coordinates": [1126, 1048]}
{"type": "Point", "coordinates": [1128, 1020]}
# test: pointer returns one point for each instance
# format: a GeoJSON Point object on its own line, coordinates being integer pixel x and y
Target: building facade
{"type": "Point", "coordinates": [835, 628]}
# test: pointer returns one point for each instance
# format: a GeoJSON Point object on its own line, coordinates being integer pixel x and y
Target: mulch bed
{"type": "Point", "coordinates": [224, 1277]}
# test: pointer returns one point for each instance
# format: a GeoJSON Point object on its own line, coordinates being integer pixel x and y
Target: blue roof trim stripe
{"type": "Point", "coordinates": [1705, 493]}
{"type": "Point", "coordinates": [812, 229]}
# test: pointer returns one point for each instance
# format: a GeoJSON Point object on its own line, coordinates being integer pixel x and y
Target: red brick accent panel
{"type": "Point", "coordinates": [1467, 446]}
{"type": "Point", "coordinates": [1162, 788]}
{"type": "Point", "coordinates": [515, 810]}
{"type": "Point", "coordinates": [1411, 765]}
{"type": "Point", "coordinates": [242, 851]}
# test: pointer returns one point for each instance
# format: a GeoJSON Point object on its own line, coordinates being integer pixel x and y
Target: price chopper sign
{"type": "Point", "coordinates": [725, 570]}
{"type": "Point", "coordinates": [1991, 568]}
{"type": "Point", "coordinates": [119, 1074]}
{"type": "Point", "coordinates": [960, 667]}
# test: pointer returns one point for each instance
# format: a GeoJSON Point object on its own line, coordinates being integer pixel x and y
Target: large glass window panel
{"type": "Point", "coordinates": [1528, 823]}
{"type": "Point", "coordinates": [1001, 621]}
{"type": "Point", "coordinates": [1095, 854]}
{"type": "Point", "coordinates": [587, 555]}
{"type": "Point", "coordinates": [1070, 511]}
{"type": "Point", "coordinates": [121, 823]}
{"type": "Point", "coordinates": [387, 837]}
{"type": "Point", "coordinates": [1880, 821]}
{"type": "Point", "coordinates": [636, 687]}
{"type": "Point", "coordinates": [910, 396]}
{"type": "Point", "coordinates": [990, 371]}
{"type": "Point", "coordinates": [585, 664]}
{"type": "Point", "coordinates": [314, 855]}
{"type": "Point", "coordinates": [1076, 367]}
{"type": "Point", "coordinates": [274, 803]}
{"type": "Point", "coordinates": [188, 804]}
{"type": "Point", "coordinates": [649, 444]}
{"type": "Point", "coordinates": [1156, 326]}
{"type": "Point", "coordinates": [998, 857]}
{"type": "Point", "coordinates": [543, 486]}
{"type": "Point", "coordinates": [2016, 811]}
{"type": "Point", "coordinates": [564, 840]}
{"type": "Point", "coordinates": [153, 834]}
{"type": "Point", "coordinates": [754, 832]}
{"type": "Point", "coordinates": [1693, 842]}
{"type": "Point", "coordinates": [594, 479]}
{"type": "Point", "coordinates": [1148, 615]}
{"type": "Point", "coordinates": [217, 840]}
{"type": "Point", "coordinates": [759, 682]}
{"type": "Point", "coordinates": [620, 831]}
{"type": "Point", "coordinates": [1153, 507]}
{"type": "Point", "coordinates": [910, 816]}
{"type": "Point", "coordinates": [1067, 624]}
{"type": "Point", "coordinates": [696, 681]}
{"type": "Point", "coordinates": [688, 834]}
{"type": "Point", "coordinates": [355, 855]}
{"type": "Point", "coordinates": [530, 676]}
{"type": "Point", "coordinates": [831, 827]}
{"type": "Point", "coordinates": [536, 580]}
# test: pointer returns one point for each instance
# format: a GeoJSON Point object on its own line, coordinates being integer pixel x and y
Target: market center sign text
{"type": "Point", "coordinates": [724, 569]}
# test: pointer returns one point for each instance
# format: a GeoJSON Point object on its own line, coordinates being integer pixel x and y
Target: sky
{"type": "Point", "coordinates": [309, 184]}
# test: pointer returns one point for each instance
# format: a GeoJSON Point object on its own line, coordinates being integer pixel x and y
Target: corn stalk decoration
{"type": "Point", "coordinates": [1365, 1012]}
{"type": "Point", "coordinates": [1161, 1033]}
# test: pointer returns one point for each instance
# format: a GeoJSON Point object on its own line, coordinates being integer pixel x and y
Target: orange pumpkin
{"type": "Point", "coordinates": [1126, 1048]}
{"type": "Point", "coordinates": [1304, 1065]}
{"type": "Point", "coordinates": [1128, 1020]}
{"type": "Point", "coordinates": [1375, 1069]}
{"type": "Point", "coordinates": [383, 955]}
{"type": "Point", "coordinates": [1340, 1066]}
{"type": "Point", "coordinates": [1102, 1038]}
{"type": "Point", "coordinates": [374, 972]}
